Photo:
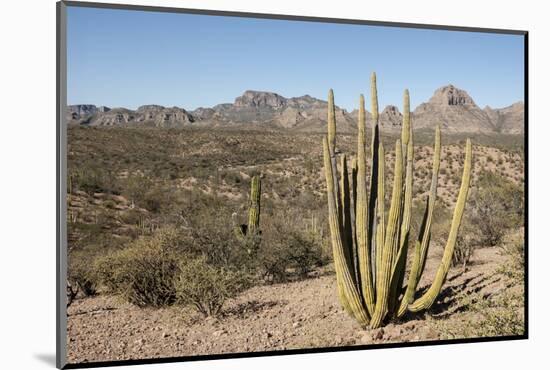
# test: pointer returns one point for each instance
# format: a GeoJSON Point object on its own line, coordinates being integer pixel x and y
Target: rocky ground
{"type": "Point", "coordinates": [303, 314]}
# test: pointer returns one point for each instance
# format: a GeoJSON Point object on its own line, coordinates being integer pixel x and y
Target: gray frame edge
{"type": "Point", "coordinates": [61, 188]}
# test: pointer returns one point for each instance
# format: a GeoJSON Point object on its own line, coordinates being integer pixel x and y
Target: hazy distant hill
{"type": "Point", "coordinates": [450, 107]}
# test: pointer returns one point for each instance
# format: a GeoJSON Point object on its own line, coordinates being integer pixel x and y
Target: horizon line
{"type": "Point", "coordinates": [293, 97]}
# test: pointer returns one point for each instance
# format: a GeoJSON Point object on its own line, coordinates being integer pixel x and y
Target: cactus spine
{"type": "Point", "coordinates": [369, 249]}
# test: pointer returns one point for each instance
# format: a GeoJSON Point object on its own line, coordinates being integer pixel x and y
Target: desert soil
{"type": "Point", "coordinates": [296, 315]}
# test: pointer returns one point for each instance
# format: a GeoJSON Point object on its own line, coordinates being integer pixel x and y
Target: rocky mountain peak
{"type": "Point", "coordinates": [391, 116]}
{"type": "Point", "coordinates": [150, 107]}
{"type": "Point", "coordinates": [82, 109]}
{"type": "Point", "coordinates": [450, 95]}
{"type": "Point", "coordinates": [259, 99]}
{"type": "Point", "coordinates": [391, 110]}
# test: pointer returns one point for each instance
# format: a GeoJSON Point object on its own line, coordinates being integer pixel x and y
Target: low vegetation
{"type": "Point", "coordinates": [144, 272]}
{"type": "Point", "coordinates": [498, 312]}
{"type": "Point", "coordinates": [207, 287]}
{"type": "Point", "coordinates": [496, 206]}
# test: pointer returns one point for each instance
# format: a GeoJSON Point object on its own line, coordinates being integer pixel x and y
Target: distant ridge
{"type": "Point", "coordinates": [452, 108]}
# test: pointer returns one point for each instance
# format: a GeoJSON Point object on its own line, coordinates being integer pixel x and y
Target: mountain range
{"type": "Point", "coordinates": [449, 106]}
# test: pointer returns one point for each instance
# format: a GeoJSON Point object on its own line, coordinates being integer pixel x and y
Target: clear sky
{"type": "Point", "coordinates": [123, 58]}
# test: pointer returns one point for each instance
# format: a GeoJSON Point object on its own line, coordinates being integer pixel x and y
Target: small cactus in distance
{"type": "Point", "coordinates": [371, 285]}
{"type": "Point", "coordinates": [251, 230]}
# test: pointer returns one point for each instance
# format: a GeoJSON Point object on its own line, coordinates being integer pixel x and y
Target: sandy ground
{"type": "Point", "coordinates": [304, 314]}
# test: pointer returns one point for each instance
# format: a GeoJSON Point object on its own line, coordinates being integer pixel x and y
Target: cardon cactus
{"type": "Point", "coordinates": [369, 247]}
{"type": "Point", "coordinates": [254, 206]}
{"type": "Point", "coordinates": [250, 232]}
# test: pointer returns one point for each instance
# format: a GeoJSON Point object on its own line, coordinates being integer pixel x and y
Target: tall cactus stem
{"type": "Point", "coordinates": [254, 208]}
{"type": "Point", "coordinates": [374, 98]}
{"type": "Point", "coordinates": [398, 270]}
{"type": "Point", "coordinates": [425, 231]}
{"type": "Point", "coordinates": [431, 201]}
{"type": "Point", "coordinates": [331, 119]}
{"type": "Point", "coordinates": [361, 219]}
{"type": "Point", "coordinates": [375, 177]}
{"type": "Point", "coordinates": [390, 243]}
{"type": "Point", "coordinates": [430, 295]}
{"type": "Point", "coordinates": [343, 274]}
{"type": "Point", "coordinates": [406, 127]}
{"type": "Point", "coordinates": [355, 249]}
{"type": "Point", "coordinates": [345, 216]}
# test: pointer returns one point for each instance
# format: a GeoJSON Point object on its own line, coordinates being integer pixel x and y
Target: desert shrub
{"type": "Point", "coordinates": [81, 274]}
{"type": "Point", "coordinates": [498, 315]}
{"type": "Point", "coordinates": [441, 222]}
{"type": "Point", "coordinates": [207, 287]}
{"type": "Point", "coordinates": [306, 252]}
{"type": "Point", "coordinates": [503, 316]}
{"type": "Point", "coordinates": [94, 179]}
{"type": "Point", "coordinates": [462, 253]}
{"type": "Point", "coordinates": [133, 216]}
{"type": "Point", "coordinates": [514, 267]}
{"type": "Point", "coordinates": [310, 165]}
{"type": "Point", "coordinates": [144, 272]}
{"type": "Point", "coordinates": [135, 187]}
{"type": "Point", "coordinates": [286, 246]}
{"type": "Point", "coordinates": [496, 204]}
{"type": "Point", "coordinates": [464, 250]}
{"type": "Point", "coordinates": [158, 198]}
{"type": "Point", "coordinates": [272, 262]}
{"type": "Point", "coordinates": [465, 245]}
{"type": "Point", "coordinates": [231, 178]}
{"type": "Point", "coordinates": [71, 293]}
{"type": "Point", "coordinates": [109, 204]}
{"type": "Point", "coordinates": [211, 234]}
{"type": "Point", "coordinates": [155, 196]}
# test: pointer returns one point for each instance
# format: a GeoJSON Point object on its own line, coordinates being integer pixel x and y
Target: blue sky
{"type": "Point", "coordinates": [130, 58]}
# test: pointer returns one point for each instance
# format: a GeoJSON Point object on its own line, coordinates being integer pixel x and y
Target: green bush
{"type": "Point", "coordinates": [496, 204]}
{"type": "Point", "coordinates": [144, 272]}
{"type": "Point", "coordinates": [514, 267]}
{"type": "Point", "coordinates": [135, 187]}
{"type": "Point", "coordinates": [285, 247]}
{"type": "Point", "coordinates": [94, 179]}
{"type": "Point", "coordinates": [207, 287]}
{"type": "Point", "coordinates": [465, 245]}
{"type": "Point", "coordinates": [81, 275]}
{"type": "Point", "coordinates": [501, 314]}
{"type": "Point", "coordinates": [441, 222]}
{"type": "Point", "coordinates": [213, 237]}
{"type": "Point", "coordinates": [155, 196]}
